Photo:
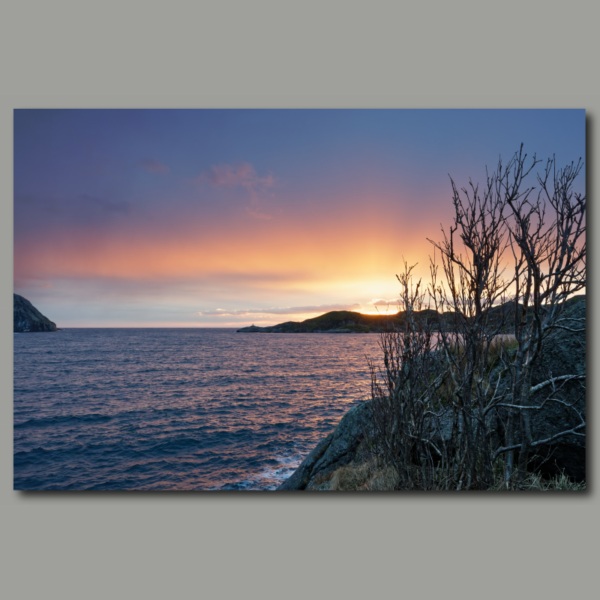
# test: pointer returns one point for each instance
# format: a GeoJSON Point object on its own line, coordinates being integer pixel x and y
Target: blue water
{"type": "Point", "coordinates": [177, 409]}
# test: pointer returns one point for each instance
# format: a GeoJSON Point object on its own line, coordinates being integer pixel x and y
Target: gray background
{"type": "Point", "coordinates": [512, 54]}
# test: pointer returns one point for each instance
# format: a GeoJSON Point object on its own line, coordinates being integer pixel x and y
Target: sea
{"type": "Point", "coordinates": [178, 409]}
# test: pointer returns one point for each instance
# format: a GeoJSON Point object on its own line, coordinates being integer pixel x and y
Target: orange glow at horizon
{"type": "Point", "coordinates": [285, 253]}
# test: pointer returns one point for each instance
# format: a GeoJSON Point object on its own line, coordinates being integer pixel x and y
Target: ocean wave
{"type": "Point", "coordinates": [168, 409]}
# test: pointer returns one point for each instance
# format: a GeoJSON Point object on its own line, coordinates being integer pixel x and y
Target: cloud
{"type": "Point", "coordinates": [31, 284]}
{"type": "Point", "coordinates": [382, 302]}
{"type": "Point", "coordinates": [243, 175]}
{"type": "Point", "coordinates": [292, 310]}
{"type": "Point", "coordinates": [254, 211]}
{"type": "Point", "coordinates": [153, 166]}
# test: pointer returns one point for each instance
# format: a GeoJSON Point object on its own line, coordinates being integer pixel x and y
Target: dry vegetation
{"type": "Point", "coordinates": [367, 477]}
{"type": "Point", "coordinates": [437, 400]}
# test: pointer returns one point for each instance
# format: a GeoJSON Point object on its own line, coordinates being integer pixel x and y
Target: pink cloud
{"type": "Point", "coordinates": [22, 283]}
{"type": "Point", "coordinates": [257, 214]}
{"type": "Point", "coordinates": [153, 166]}
{"type": "Point", "coordinates": [382, 302]}
{"type": "Point", "coordinates": [292, 310]}
{"type": "Point", "coordinates": [243, 175]}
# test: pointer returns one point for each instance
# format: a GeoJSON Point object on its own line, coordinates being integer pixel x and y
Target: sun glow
{"type": "Point", "coordinates": [391, 310]}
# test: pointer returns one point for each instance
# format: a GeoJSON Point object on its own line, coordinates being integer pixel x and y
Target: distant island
{"type": "Point", "coordinates": [337, 321]}
{"type": "Point", "coordinates": [27, 318]}
{"type": "Point", "coordinates": [346, 321]}
{"type": "Point", "coordinates": [343, 321]}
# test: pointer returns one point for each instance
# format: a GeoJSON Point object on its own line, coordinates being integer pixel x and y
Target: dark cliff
{"type": "Point", "coordinates": [27, 318]}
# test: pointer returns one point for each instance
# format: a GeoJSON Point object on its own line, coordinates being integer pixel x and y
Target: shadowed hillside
{"type": "Point", "coordinates": [346, 321]}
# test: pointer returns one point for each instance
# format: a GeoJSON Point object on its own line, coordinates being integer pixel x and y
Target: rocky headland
{"type": "Point", "coordinates": [27, 318]}
{"type": "Point", "coordinates": [346, 321]}
{"type": "Point", "coordinates": [340, 321]}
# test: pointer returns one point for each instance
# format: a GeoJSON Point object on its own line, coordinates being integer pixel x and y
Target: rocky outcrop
{"type": "Point", "coordinates": [27, 318]}
{"type": "Point", "coordinates": [564, 354]}
{"type": "Point", "coordinates": [339, 448]}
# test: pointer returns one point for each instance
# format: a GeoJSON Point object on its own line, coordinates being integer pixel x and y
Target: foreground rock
{"type": "Point", "coordinates": [339, 448]}
{"type": "Point", "coordinates": [27, 318]}
{"type": "Point", "coordinates": [564, 354]}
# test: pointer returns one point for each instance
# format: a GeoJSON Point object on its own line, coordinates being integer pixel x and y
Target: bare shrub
{"type": "Point", "coordinates": [437, 401]}
{"type": "Point", "coordinates": [406, 408]}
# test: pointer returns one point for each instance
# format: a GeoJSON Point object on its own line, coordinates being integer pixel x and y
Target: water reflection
{"type": "Point", "coordinates": [178, 409]}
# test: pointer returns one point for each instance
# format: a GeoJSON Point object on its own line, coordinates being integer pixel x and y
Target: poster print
{"type": "Point", "coordinates": [317, 300]}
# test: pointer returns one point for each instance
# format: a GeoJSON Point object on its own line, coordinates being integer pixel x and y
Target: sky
{"type": "Point", "coordinates": [226, 218]}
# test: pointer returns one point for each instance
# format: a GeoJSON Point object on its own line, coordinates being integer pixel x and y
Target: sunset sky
{"type": "Point", "coordinates": [224, 218]}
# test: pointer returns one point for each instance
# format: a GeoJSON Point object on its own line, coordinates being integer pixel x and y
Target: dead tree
{"type": "Point", "coordinates": [404, 430]}
{"type": "Point", "coordinates": [437, 402]}
{"type": "Point", "coordinates": [546, 236]}
{"type": "Point", "coordinates": [472, 267]}
{"type": "Point", "coordinates": [548, 241]}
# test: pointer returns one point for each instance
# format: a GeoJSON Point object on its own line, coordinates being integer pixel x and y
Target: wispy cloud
{"type": "Point", "coordinates": [153, 166]}
{"type": "Point", "coordinates": [291, 310]}
{"type": "Point", "coordinates": [254, 210]}
{"type": "Point", "coordinates": [31, 284]}
{"type": "Point", "coordinates": [242, 175]}
{"type": "Point", "coordinates": [382, 302]}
